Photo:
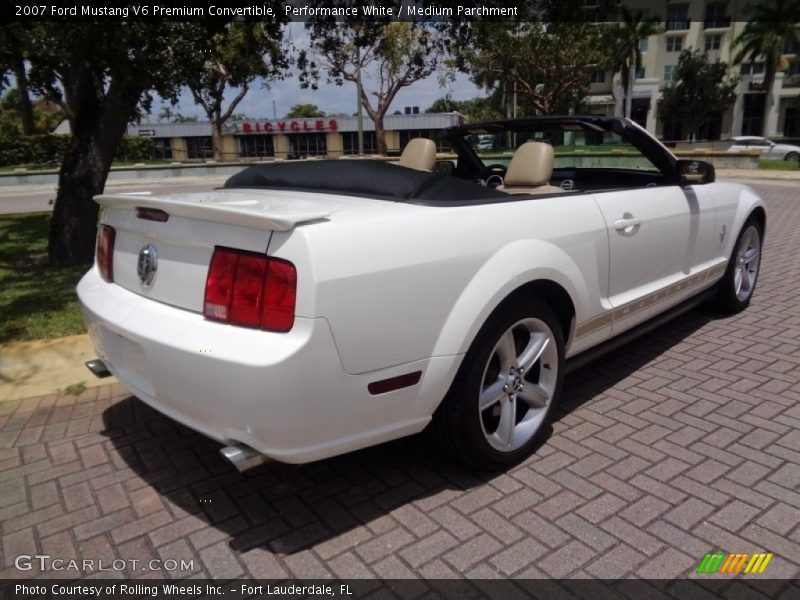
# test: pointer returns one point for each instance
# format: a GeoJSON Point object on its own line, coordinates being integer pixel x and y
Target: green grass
{"type": "Point", "coordinates": [30, 167]}
{"type": "Point", "coordinates": [778, 165]}
{"type": "Point", "coordinates": [36, 301]}
{"type": "Point", "coordinates": [54, 166]}
{"type": "Point", "coordinates": [76, 389]}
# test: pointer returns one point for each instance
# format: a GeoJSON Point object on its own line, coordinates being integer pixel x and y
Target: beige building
{"type": "Point", "coordinates": [711, 25]}
{"type": "Point", "coordinates": [331, 136]}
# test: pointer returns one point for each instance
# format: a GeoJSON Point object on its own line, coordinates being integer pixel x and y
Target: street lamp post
{"type": "Point", "coordinates": [358, 94]}
{"type": "Point", "coordinates": [360, 107]}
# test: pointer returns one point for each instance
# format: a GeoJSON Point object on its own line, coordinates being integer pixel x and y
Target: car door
{"type": "Point", "coordinates": [762, 146]}
{"type": "Point", "coordinates": [657, 243]}
{"type": "Point", "coordinates": [772, 151]}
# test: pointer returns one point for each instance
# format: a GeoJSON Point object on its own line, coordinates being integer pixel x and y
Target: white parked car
{"type": "Point", "coordinates": [767, 148]}
{"type": "Point", "coordinates": [312, 308]}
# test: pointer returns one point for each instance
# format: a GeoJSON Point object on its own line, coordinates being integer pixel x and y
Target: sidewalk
{"type": "Point", "coordinates": [768, 176]}
{"type": "Point", "coordinates": [40, 368]}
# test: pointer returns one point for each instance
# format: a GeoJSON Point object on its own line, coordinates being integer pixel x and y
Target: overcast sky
{"type": "Point", "coordinates": [330, 98]}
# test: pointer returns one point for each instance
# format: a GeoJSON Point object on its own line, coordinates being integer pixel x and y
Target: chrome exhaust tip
{"type": "Point", "coordinates": [98, 368]}
{"type": "Point", "coordinates": [243, 457]}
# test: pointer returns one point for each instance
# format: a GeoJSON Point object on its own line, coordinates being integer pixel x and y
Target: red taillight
{"type": "Point", "coordinates": [250, 289]}
{"type": "Point", "coordinates": [105, 252]}
{"type": "Point", "coordinates": [219, 285]}
{"type": "Point", "coordinates": [280, 293]}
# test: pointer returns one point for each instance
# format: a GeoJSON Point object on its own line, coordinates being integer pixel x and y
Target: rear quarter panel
{"type": "Point", "coordinates": [412, 282]}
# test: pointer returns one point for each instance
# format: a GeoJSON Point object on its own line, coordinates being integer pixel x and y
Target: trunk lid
{"type": "Point", "coordinates": [168, 261]}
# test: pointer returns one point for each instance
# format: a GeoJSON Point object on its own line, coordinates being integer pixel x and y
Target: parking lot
{"type": "Point", "coordinates": [682, 442]}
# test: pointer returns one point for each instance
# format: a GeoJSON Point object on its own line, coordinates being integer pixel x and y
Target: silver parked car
{"type": "Point", "coordinates": [768, 148]}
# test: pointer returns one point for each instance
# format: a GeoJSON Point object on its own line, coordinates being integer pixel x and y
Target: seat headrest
{"type": "Point", "coordinates": [531, 165]}
{"type": "Point", "coordinates": [419, 154]}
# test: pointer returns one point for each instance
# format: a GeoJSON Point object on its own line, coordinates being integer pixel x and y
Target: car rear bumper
{"type": "Point", "coordinates": [284, 394]}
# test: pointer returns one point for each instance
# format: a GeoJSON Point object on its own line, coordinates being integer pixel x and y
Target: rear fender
{"type": "Point", "coordinates": [506, 271]}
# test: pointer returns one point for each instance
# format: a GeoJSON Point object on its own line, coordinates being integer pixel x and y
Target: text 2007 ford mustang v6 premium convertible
{"type": "Point", "coordinates": [311, 308]}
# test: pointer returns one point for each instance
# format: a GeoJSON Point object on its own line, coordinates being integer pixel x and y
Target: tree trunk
{"type": "Point", "coordinates": [769, 100]}
{"type": "Point", "coordinates": [216, 137]}
{"type": "Point", "coordinates": [74, 223]}
{"type": "Point", "coordinates": [25, 106]}
{"type": "Point", "coordinates": [380, 136]}
{"type": "Point", "coordinates": [629, 92]}
{"type": "Point", "coordinates": [97, 127]}
{"type": "Point", "coordinates": [618, 93]}
{"type": "Point", "coordinates": [692, 135]}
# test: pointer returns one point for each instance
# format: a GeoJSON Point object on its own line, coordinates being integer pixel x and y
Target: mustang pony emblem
{"type": "Point", "coordinates": [147, 265]}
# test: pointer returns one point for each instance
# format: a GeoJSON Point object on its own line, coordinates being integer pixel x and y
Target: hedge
{"type": "Point", "coordinates": [134, 149]}
{"type": "Point", "coordinates": [48, 149]}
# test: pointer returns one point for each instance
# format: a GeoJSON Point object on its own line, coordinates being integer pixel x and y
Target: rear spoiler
{"type": "Point", "coordinates": [221, 206]}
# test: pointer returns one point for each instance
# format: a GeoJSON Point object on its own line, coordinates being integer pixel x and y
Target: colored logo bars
{"type": "Point", "coordinates": [733, 564]}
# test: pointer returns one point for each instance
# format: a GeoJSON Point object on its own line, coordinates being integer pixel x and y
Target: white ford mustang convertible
{"type": "Point", "coordinates": [311, 308]}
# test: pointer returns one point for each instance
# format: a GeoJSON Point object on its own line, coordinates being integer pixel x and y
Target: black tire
{"type": "Point", "coordinates": [477, 437]}
{"type": "Point", "coordinates": [733, 296]}
{"type": "Point", "coordinates": [792, 157]}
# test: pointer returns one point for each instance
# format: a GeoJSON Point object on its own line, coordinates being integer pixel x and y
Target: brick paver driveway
{"type": "Point", "coordinates": [685, 441]}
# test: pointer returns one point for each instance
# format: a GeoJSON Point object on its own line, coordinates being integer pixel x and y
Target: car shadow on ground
{"type": "Point", "coordinates": [287, 509]}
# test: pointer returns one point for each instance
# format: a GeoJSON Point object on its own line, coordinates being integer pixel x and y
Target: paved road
{"type": "Point", "coordinates": [34, 198]}
{"type": "Point", "coordinates": [685, 441]}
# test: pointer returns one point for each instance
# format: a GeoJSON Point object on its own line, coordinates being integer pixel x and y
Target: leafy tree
{"type": "Point", "coordinates": [45, 115]}
{"type": "Point", "coordinates": [395, 54]}
{"type": "Point", "coordinates": [103, 75]}
{"type": "Point", "coordinates": [304, 110]}
{"type": "Point", "coordinates": [234, 57]}
{"type": "Point", "coordinates": [476, 109]}
{"type": "Point", "coordinates": [545, 63]}
{"type": "Point", "coordinates": [170, 116]}
{"type": "Point", "coordinates": [12, 61]}
{"type": "Point", "coordinates": [771, 24]}
{"type": "Point", "coordinates": [10, 120]}
{"type": "Point", "coordinates": [627, 57]}
{"type": "Point", "coordinates": [700, 90]}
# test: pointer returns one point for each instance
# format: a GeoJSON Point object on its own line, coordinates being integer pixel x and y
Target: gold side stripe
{"type": "Point", "coordinates": [645, 302]}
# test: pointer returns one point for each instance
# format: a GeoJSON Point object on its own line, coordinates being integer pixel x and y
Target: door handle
{"type": "Point", "coordinates": [627, 224]}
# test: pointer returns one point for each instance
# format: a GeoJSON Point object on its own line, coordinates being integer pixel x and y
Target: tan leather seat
{"type": "Point", "coordinates": [530, 170]}
{"type": "Point", "coordinates": [419, 154]}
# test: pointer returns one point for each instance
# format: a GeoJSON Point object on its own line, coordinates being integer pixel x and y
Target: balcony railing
{"type": "Point", "coordinates": [677, 25]}
{"type": "Point", "coordinates": [718, 23]}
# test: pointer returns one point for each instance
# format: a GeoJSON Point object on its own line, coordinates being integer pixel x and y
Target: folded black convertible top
{"type": "Point", "coordinates": [361, 178]}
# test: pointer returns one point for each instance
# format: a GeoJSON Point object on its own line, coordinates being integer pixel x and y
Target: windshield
{"type": "Point", "coordinates": [574, 146]}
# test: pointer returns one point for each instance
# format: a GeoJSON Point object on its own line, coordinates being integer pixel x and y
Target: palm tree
{"type": "Point", "coordinates": [771, 24]}
{"type": "Point", "coordinates": [627, 56]}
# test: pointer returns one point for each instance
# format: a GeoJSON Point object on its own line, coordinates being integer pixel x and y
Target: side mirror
{"type": "Point", "coordinates": [693, 172]}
